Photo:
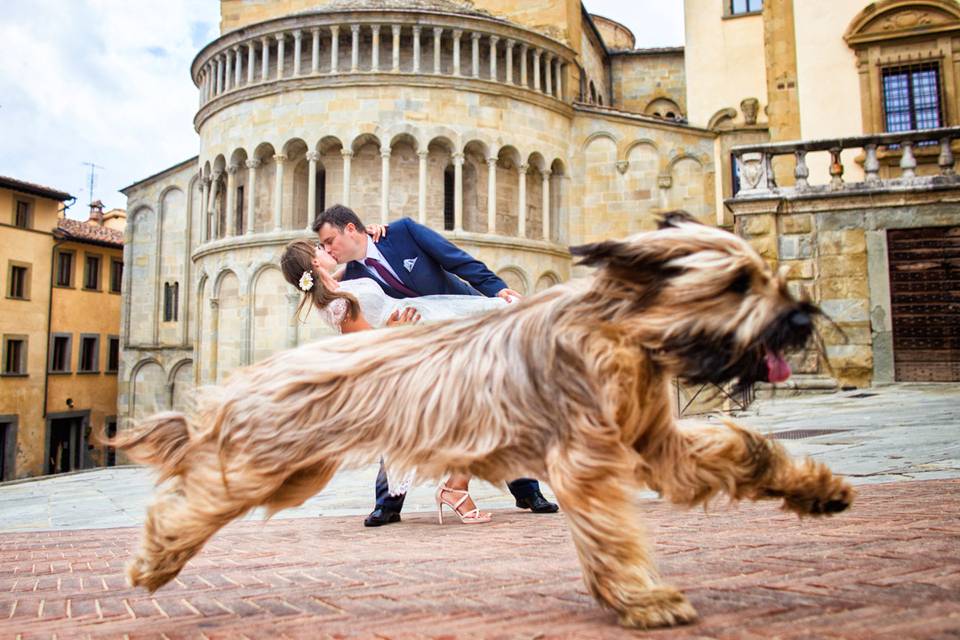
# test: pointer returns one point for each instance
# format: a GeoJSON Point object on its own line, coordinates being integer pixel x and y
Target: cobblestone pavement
{"type": "Point", "coordinates": [889, 569]}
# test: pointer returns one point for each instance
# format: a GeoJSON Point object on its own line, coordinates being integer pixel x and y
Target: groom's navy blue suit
{"type": "Point", "coordinates": [429, 264]}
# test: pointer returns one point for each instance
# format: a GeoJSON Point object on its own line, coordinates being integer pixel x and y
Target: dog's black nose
{"type": "Point", "coordinates": [799, 319]}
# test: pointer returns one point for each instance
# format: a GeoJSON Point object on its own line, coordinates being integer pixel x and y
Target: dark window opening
{"type": "Point", "coordinates": [15, 356]}
{"type": "Point", "coordinates": [113, 355]}
{"type": "Point", "coordinates": [88, 353]}
{"type": "Point", "coordinates": [171, 301]}
{"type": "Point", "coordinates": [116, 276]}
{"type": "Point", "coordinates": [448, 189]}
{"type": "Point", "coordinates": [22, 218]}
{"type": "Point", "coordinates": [321, 191]}
{"type": "Point", "coordinates": [91, 278]}
{"type": "Point", "coordinates": [5, 430]}
{"type": "Point", "coordinates": [66, 445]}
{"type": "Point", "coordinates": [18, 282]}
{"type": "Point", "coordinates": [64, 269]}
{"type": "Point", "coordinates": [60, 354]}
{"type": "Point", "coordinates": [111, 430]}
{"type": "Point", "coordinates": [734, 175]}
{"type": "Point", "coordinates": [238, 227]}
{"type": "Point", "coordinates": [911, 97]}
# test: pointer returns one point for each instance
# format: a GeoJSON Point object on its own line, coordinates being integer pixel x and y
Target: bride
{"type": "Point", "coordinates": [360, 304]}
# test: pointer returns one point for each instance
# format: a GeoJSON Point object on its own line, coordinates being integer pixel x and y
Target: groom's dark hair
{"type": "Point", "coordinates": [338, 216]}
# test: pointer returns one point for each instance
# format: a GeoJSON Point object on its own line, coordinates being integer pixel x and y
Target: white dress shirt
{"type": "Point", "coordinates": [373, 252]}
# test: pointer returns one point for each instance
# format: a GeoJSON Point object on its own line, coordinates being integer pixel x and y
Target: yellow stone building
{"type": "Point", "coordinates": [60, 325]}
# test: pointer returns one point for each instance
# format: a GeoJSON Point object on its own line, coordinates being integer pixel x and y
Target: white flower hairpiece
{"type": "Point", "coordinates": [306, 281]}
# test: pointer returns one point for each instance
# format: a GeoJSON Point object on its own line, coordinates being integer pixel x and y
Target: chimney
{"type": "Point", "coordinates": [96, 213]}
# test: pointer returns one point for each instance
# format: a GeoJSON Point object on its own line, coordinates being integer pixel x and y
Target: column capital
{"type": "Point", "coordinates": [522, 169]}
{"type": "Point", "coordinates": [312, 156]}
{"type": "Point", "coordinates": [510, 43]}
{"type": "Point", "coordinates": [334, 29]}
{"type": "Point", "coordinates": [297, 34]}
{"type": "Point", "coordinates": [236, 49]}
{"type": "Point", "coordinates": [494, 39]}
{"type": "Point", "coordinates": [375, 28]}
{"type": "Point", "coordinates": [315, 31]}
{"type": "Point", "coordinates": [423, 154]}
{"type": "Point", "coordinates": [280, 37]}
{"type": "Point", "coordinates": [214, 303]}
{"type": "Point", "coordinates": [206, 181]}
{"type": "Point", "coordinates": [265, 40]}
{"type": "Point", "coordinates": [346, 153]}
{"type": "Point", "coordinates": [217, 175]}
{"type": "Point", "coordinates": [457, 33]}
{"type": "Point", "coordinates": [546, 173]}
{"type": "Point", "coordinates": [233, 168]}
{"type": "Point", "coordinates": [492, 161]}
{"type": "Point", "coordinates": [253, 164]}
{"type": "Point", "coordinates": [416, 29]}
{"type": "Point", "coordinates": [524, 47]}
{"type": "Point", "coordinates": [279, 157]}
{"type": "Point", "coordinates": [537, 52]}
{"type": "Point", "coordinates": [355, 28]}
{"type": "Point", "coordinates": [475, 35]}
{"type": "Point", "coordinates": [457, 158]}
{"type": "Point", "coordinates": [385, 154]}
{"type": "Point", "coordinates": [437, 31]}
{"type": "Point", "coordinates": [396, 29]}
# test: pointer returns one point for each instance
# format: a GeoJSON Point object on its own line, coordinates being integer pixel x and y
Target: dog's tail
{"type": "Point", "coordinates": [160, 441]}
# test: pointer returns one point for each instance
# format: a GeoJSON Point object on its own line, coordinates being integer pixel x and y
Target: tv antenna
{"type": "Point", "coordinates": [93, 170]}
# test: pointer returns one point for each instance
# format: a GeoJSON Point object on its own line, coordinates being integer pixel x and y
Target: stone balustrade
{"type": "Point", "coordinates": [757, 166]}
{"type": "Point", "coordinates": [326, 46]}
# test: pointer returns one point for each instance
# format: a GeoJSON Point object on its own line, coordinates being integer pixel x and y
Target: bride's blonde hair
{"type": "Point", "coordinates": [297, 258]}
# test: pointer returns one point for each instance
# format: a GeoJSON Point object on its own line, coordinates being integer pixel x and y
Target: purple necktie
{"type": "Point", "coordinates": [389, 278]}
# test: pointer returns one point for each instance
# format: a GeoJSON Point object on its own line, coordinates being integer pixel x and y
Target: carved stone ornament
{"type": "Point", "coordinates": [622, 166]}
{"type": "Point", "coordinates": [665, 181]}
{"type": "Point", "coordinates": [751, 170]}
{"type": "Point", "coordinates": [750, 107]}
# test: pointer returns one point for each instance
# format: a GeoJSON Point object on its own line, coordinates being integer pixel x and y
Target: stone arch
{"type": "Point", "coordinates": [603, 201]}
{"type": "Point", "coordinates": [663, 107]}
{"type": "Point", "coordinates": [181, 385]}
{"type": "Point", "coordinates": [598, 135]}
{"type": "Point", "coordinates": [516, 278]}
{"type": "Point", "coordinates": [365, 176]}
{"type": "Point", "coordinates": [475, 176]}
{"type": "Point", "coordinates": [448, 136]}
{"type": "Point", "coordinates": [142, 266]}
{"type": "Point", "coordinates": [270, 312]}
{"type": "Point", "coordinates": [403, 132]}
{"type": "Point", "coordinates": [147, 389]}
{"type": "Point", "coordinates": [546, 280]}
{"type": "Point", "coordinates": [404, 174]}
{"type": "Point", "coordinates": [217, 223]}
{"type": "Point", "coordinates": [558, 200]}
{"type": "Point", "coordinates": [642, 172]}
{"type": "Point", "coordinates": [889, 19]}
{"type": "Point", "coordinates": [330, 148]}
{"type": "Point", "coordinates": [295, 179]}
{"type": "Point", "coordinates": [722, 119]}
{"type": "Point", "coordinates": [509, 160]}
{"type": "Point", "coordinates": [536, 167]}
{"type": "Point", "coordinates": [238, 163]}
{"type": "Point", "coordinates": [229, 330]}
{"type": "Point", "coordinates": [203, 332]}
{"type": "Point", "coordinates": [171, 263]}
{"type": "Point", "coordinates": [440, 150]}
{"type": "Point", "coordinates": [265, 182]}
{"type": "Point", "coordinates": [688, 188]}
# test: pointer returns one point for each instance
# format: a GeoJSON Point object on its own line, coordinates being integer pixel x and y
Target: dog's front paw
{"type": "Point", "coordinates": [817, 492]}
{"type": "Point", "coordinates": [657, 607]}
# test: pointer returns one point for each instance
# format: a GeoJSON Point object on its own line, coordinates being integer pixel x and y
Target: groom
{"type": "Point", "coordinates": [413, 261]}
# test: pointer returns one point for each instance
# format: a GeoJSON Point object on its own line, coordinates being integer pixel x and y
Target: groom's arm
{"type": "Point", "coordinates": [455, 260]}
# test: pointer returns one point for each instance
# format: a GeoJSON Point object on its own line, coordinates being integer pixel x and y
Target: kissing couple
{"type": "Point", "coordinates": [403, 276]}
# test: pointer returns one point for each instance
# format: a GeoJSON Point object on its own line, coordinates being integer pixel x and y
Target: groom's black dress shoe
{"type": "Point", "coordinates": [537, 503]}
{"type": "Point", "coordinates": [380, 516]}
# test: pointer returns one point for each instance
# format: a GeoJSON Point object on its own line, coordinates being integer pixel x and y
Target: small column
{"type": "Point", "coordinates": [546, 205]}
{"type": "Point", "coordinates": [416, 48]}
{"type": "Point", "coordinates": [375, 54]}
{"type": "Point", "coordinates": [801, 172]}
{"type": "Point", "coordinates": [251, 194]}
{"type": "Point", "coordinates": [491, 195]}
{"type": "Point", "coordinates": [278, 192]}
{"type": "Point", "coordinates": [458, 192]}
{"type": "Point", "coordinates": [315, 51]}
{"type": "Point", "coordinates": [297, 49]}
{"type": "Point", "coordinates": [523, 66]}
{"type": "Point", "coordinates": [522, 201]}
{"type": "Point", "coordinates": [207, 82]}
{"type": "Point", "coordinates": [211, 206]}
{"type": "Point", "coordinates": [946, 160]}
{"type": "Point", "coordinates": [422, 188]}
{"type": "Point", "coordinates": [437, 34]}
{"type": "Point", "coordinates": [264, 58]}
{"type": "Point", "coordinates": [558, 81]}
{"type": "Point", "coordinates": [251, 61]}
{"type": "Point", "coordinates": [204, 199]}
{"type": "Point", "coordinates": [396, 48]}
{"type": "Point", "coordinates": [385, 186]}
{"type": "Point", "coordinates": [334, 47]}
{"type": "Point", "coordinates": [312, 157]}
{"type": "Point", "coordinates": [281, 40]}
{"type": "Point", "coordinates": [201, 85]}
{"type": "Point", "coordinates": [237, 66]}
{"type": "Point", "coordinates": [231, 191]}
{"type": "Point", "coordinates": [475, 37]}
{"type": "Point", "coordinates": [219, 89]}
{"type": "Point", "coordinates": [493, 57]}
{"type": "Point", "coordinates": [908, 163]}
{"type": "Point", "coordinates": [354, 47]}
{"type": "Point", "coordinates": [548, 72]}
{"type": "Point", "coordinates": [227, 70]}
{"type": "Point", "coordinates": [871, 164]}
{"type": "Point", "coordinates": [457, 33]}
{"type": "Point", "coordinates": [347, 156]}
{"type": "Point", "coordinates": [510, 45]}
{"type": "Point", "coordinates": [536, 69]}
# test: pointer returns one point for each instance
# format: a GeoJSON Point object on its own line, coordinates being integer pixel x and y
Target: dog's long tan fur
{"type": "Point", "coordinates": [571, 385]}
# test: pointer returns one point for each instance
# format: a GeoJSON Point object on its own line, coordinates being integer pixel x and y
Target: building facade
{"type": "Point", "coordinates": [60, 325]}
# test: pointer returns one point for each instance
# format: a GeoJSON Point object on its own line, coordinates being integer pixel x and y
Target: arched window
{"type": "Point", "coordinates": [448, 189]}
{"type": "Point", "coordinates": [238, 213]}
{"type": "Point", "coordinates": [171, 301]}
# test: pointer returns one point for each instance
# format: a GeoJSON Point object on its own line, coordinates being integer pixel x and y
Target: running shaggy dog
{"type": "Point", "coordinates": [571, 385]}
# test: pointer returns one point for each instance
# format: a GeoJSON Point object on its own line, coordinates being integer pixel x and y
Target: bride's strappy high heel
{"type": "Point", "coordinates": [473, 516]}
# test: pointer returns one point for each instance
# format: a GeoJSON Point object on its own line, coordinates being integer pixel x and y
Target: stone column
{"type": "Point", "coordinates": [281, 40]}
{"type": "Point", "coordinates": [278, 192]}
{"type": "Point", "coordinates": [354, 47]}
{"type": "Point", "coordinates": [522, 201]}
{"type": "Point", "coordinates": [536, 69]}
{"type": "Point", "coordinates": [347, 156]}
{"type": "Point", "coordinates": [491, 195]}
{"type": "Point", "coordinates": [204, 200]}
{"type": "Point", "coordinates": [548, 68]}
{"type": "Point", "coordinates": [416, 49]}
{"type": "Point", "coordinates": [546, 204]}
{"type": "Point", "coordinates": [422, 188]}
{"type": "Point", "coordinates": [558, 82]}
{"type": "Point", "coordinates": [510, 45]}
{"type": "Point", "coordinates": [201, 86]}
{"type": "Point", "coordinates": [458, 191]}
{"type": "Point", "coordinates": [231, 195]}
{"type": "Point", "coordinates": [437, 35]}
{"type": "Point", "coordinates": [211, 206]}
{"type": "Point", "coordinates": [293, 327]}
{"type": "Point", "coordinates": [251, 194]}
{"type": "Point", "coordinates": [219, 75]}
{"type": "Point", "coordinates": [315, 50]}
{"type": "Point", "coordinates": [375, 54]}
{"type": "Point", "coordinates": [297, 49]}
{"type": "Point", "coordinates": [384, 186]}
{"type": "Point", "coordinates": [264, 58]}
{"type": "Point", "coordinates": [227, 70]}
{"type": "Point", "coordinates": [523, 65]}
{"type": "Point", "coordinates": [457, 33]}
{"type": "Point", "coordinates": [493, 57]}
{"type": "Point", "coordinates": [334, 47]}
{"type": "Point", "coordinates": [251, 61]}
{"type": "Point", "coordinates": [475, 37]}
{"type": "Point", "coordinates": [207, 82]}
{"type": "Point", "coordinates": [237, 67]}
{"type": "Point", "coordinates": [312, 157]}
{"type": "Point", "coordinates": [396, 48]}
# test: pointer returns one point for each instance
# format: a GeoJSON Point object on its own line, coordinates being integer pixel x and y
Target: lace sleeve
{"type": "Point", "coordinates": [335, 312]}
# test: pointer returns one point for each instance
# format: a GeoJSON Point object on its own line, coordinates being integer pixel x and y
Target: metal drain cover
{"type": "Point", "coordinates": [800, 434]}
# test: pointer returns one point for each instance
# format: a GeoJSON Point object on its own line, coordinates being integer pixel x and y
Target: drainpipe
{"type": "Point", "coordinates": [46, 361]}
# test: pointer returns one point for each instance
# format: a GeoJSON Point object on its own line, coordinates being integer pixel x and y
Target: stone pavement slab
{"type": "Point", "coordinates": [889, 569]}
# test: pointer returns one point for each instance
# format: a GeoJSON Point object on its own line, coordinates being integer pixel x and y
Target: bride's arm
{"type": "Point", "coordinates": [352, 325]}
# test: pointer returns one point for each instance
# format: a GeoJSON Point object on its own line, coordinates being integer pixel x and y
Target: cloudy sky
{"type": "Point", "coordinates": [108, 82]}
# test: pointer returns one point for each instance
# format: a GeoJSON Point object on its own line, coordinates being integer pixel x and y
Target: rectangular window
{"type": "Point", "coordinates": [171, 301]}
{"type": "Point", "coordinates": [745, 6]}
{"type": "Point", "coordinates": [116, 275]}
{"type": "Point", "coordinates": [22, 215]}
{"type": "Point", "coordinates": [19, 279]}
{"type": "Point", "coordinates": [91, 273]}
{"type": "Point", "coordinates": [238, 214]}
{"type": "Point", "coordinates": [113, 354]}
{"type": "Point", "coordinates": [64, 269]}
{"type": "Point", "coordinates": [111, 429]}
{"type": "Point", "coordinates": [60, 344]}
{"type": "Point", "coordinates": [911, 97]}
{"type": "Point", "coordinates": [14, 355]}
{"type": "Point", "coordinates": [89, 353]}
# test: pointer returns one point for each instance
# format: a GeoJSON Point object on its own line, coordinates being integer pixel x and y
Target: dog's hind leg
{"type": "Point", "coordinates": [691, 464]}
{"type": "Point", "coordinates": [590, 484]}
{"type": "Point", "coordinates": [299, 486]}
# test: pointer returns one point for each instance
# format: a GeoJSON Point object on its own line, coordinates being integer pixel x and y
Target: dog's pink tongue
{"type": "Point", "coordinates": [777, 368]}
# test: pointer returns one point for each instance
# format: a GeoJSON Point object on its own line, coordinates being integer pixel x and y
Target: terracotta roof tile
{"type": "Point", "coordinates": [83, 232]}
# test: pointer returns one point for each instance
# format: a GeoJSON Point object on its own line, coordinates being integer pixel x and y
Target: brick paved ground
{"type": "Point", "coordinates": [889, 569]}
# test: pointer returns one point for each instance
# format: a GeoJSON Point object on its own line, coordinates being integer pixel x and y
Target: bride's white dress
{"type": "Point", "coordinates": [377, 306]}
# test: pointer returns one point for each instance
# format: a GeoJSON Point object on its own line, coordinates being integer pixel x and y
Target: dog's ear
{"type": "Point", "coordinates": [630, 256]}
{"type": "Point", "coordinates": [675, 219]}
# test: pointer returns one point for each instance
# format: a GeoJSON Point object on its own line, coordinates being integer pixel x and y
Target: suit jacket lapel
{"type": "Point", "coordinates": [356, 270]}
{"type": "Point", "coordinates": [396, 262]}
